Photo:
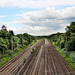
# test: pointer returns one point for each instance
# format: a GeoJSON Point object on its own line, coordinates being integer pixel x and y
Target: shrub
{"type": "Point", "coordinates": [24, 60]}
{"type": "Point", "coordinates": [32, 51]}
{"type": "Point", "coordinates": [71, 44]}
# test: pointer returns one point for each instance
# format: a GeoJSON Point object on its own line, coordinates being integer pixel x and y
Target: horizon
{"type": "Point", "coordinates": [30, 34]}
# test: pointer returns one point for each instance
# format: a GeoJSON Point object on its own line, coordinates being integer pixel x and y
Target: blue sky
{"type": "Point", "coordinates": [37, 17]}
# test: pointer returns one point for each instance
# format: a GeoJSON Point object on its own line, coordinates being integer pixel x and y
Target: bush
{"type": "Point", "coordinates": [71, 44]}
{"type": "Point", "coordinates": [8, 52]}
{"type": "Point", "coordinates": [3, 46]}
{"type": "Point", "coordinates": [24, 60]}
{"type": "Point", "coordinates": [32, 51]}
{"type": "Point", "coordinates": [20, 46]}
{"type": "Point", "coordinates": [62, 44]}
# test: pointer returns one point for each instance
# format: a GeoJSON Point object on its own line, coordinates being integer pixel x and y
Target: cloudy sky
{"type": "Point", "coordinates": [37, 17]}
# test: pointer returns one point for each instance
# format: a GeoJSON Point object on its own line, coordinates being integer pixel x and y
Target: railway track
{"type": "Point", "coordinates": [15, 64]}
{"type": "Point", "coordinates": [46, 61]}
{"type": "Point", "coordinates": [30, 65]}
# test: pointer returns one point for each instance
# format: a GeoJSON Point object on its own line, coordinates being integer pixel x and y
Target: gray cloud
{"type": "Point", "coordinates": [48, 20]}
{"type": "Point", "coordinates": [44, 22]}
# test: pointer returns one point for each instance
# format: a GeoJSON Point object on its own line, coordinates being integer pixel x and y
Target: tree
{"type": "Point", "coordinates": [11, 32]}
{"type": "Point", "coordinates": [3, 33]}
{"type": "Point", "coordinates": [4, 28]}
{"type": "Point", "coordinates": [3, 46]}
{"type": "Point", "coordinates": [70, 29]}
{"type": "Point", "coordinates": [16, 41]}
{"type": "Point", "coordinates": [70, 33]}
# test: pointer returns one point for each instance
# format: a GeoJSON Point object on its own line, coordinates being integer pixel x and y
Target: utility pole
{"type": "Point", "coordinates": [12, 46]}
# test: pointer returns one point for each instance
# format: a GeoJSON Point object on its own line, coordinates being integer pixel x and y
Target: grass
{"type": "Point", "coordinates": [32, 43]}
{"type": "Point", "coordinates": [7, 58]}
{"type": "Point", "coordinates": [4, 60]}
{"type": "Point", "coordinates": [70, 59]}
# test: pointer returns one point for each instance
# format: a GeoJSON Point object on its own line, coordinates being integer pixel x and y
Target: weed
{"type": "Point", "coordinates": [32, 51]}
{"type": "Point", "coordinates": [24, 60]}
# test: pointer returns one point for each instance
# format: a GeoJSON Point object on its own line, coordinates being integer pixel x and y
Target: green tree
{"type": "Point", "coordinates": [3, 46]}
{"type": "Point", "coordinates": [11, 32]}
{"type": "Point", "coordinates": [3, 33]}
{"type": "Point", "coordinates": [4, 27]}
{"type": "Point", "coordinates": [16, 41]}
{"type": "Point", "coordinates": [70, 29]}
{"type": "Point", "coordinates": [70, 33]}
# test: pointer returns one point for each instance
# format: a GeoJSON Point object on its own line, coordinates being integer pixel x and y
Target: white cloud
{"type": "Point", "coordinates": [36, 3]}
{"type": "Point", "coordinates": [38, 28]}
{"type": "Point", "coordinates": [6, 23]}
{"type": "Point", "coordinates": [1, 16]}
{"type": "Point", "coordinates": [67, 12]}
{"type": "Point", "coordinates": [47, 21]}
{"type": "Point", "coordinates": [43, 22]}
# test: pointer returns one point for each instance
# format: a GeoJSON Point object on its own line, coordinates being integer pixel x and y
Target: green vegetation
{"type": "Point", "coordinates": [34, 41]}
{"type": "Point", "coordinates": [24, 60]}
{"type": "Point", "coordinates": [65, 44]}
{"type": "Point", "coordinates": [32, 51]}
{"type": "Point", "coordinates": [7, 58]}
{"type": "Point", "coordinates": [70, 58]}
{"type": "Point", "coordinates": [11, 45]}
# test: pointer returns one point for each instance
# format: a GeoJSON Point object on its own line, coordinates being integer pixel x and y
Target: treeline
{"type": "Point", "coordinates": [65, 40]}
{"type": "Point", "coordinates": [8, 39]}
